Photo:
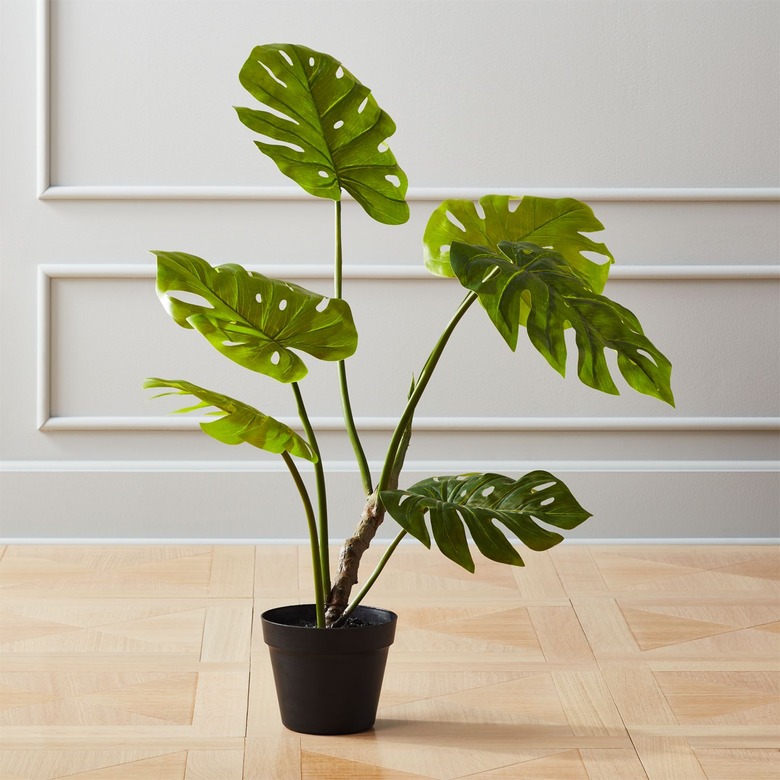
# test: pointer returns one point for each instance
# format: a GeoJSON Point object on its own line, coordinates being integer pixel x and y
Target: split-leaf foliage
{"type": "Point", "coordinates": [527, 260]}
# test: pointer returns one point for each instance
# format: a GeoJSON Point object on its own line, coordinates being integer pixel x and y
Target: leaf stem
{"type": "Point", "coordinates": [338, 259]}
{"type": "Point", "coordinates": [371, 580]}
{"type": "Point", "coordinates": [346, 405]}
{"type": "Point", "coordinates": [319, 594]}
{"type": "Point", "coordinates": [322, 499]}
{"type": "Point", "coordinates": [414, 398]}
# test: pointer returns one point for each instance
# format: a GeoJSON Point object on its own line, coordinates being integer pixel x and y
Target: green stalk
{"type": "Point", "coordinates": [414, 398]}
{"type": "Point", "coordinates": [322, 499]}
{"type": "Point", "coordinates": [349, 420]}
{"type": "Point", "coordinates": [319, 594]}
{"type": "Point", "coordinates": [371, 580]}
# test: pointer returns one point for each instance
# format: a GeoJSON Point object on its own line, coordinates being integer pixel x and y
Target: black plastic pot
{"type": "Point", "coordinates": [328, 680]}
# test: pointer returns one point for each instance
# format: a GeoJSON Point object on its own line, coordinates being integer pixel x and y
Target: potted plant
{"type": "Point", "coordinates": [523, 260]}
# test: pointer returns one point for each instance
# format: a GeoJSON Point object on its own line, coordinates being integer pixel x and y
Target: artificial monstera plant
{"type": "Point", "coordinates": [522, 258]}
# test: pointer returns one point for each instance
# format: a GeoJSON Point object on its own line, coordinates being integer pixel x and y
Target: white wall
{"type": "Point", "coordinates": [662, 115]}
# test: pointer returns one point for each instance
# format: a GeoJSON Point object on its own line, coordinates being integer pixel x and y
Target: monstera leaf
{"type": "Point", "coordinates": [555, 296]}
{"type": "Point", "coordinates": [323, 128]}
{"type": "Point", "coordinates": [476, 502]}
{"type": "Point", "coordinates": [547, 222]}
{"type": "Point", "coordinates": [238, 422]}
{"type": "Point", "coordinates": [254, 320]}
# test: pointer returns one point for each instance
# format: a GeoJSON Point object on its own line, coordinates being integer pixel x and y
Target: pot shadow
{"type": "Point", "coordinates": [444, 733]}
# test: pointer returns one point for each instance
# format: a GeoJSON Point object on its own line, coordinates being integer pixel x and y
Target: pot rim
{"type": "Point", "coordinates": [388, 615]}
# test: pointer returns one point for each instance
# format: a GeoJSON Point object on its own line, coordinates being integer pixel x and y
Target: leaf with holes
{"type": "Point", "coordinates": [555, 223]}
{"type": "Point", "coordinates": [323, 128]}
{"type": "Point", "coordinates": [254, 320]}
{"type": "Point", "coordinates": [474, 503]}
{"type": "Point", "coordinates": [555, 296]}
{"type": "Point", "coordinates": [238, 422]}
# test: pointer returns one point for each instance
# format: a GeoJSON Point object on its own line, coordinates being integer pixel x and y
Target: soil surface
{"type": "Point", "coordinates": [352, 622]}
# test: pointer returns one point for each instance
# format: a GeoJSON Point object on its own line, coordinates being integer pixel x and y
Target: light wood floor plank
{"type": "Point", "coordinates": [668, 758]}
{"type": "Point", "coordinates": [589, 663]}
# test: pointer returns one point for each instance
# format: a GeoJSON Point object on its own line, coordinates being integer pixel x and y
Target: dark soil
{"type": "Point", "coordinates": [351, 622]}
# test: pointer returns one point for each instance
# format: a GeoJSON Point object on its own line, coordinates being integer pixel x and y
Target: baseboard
{"type": "Point", "coordinates": [761, 540]}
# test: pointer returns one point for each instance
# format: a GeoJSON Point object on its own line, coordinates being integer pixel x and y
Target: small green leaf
{"type": "Point", "coordinates": [238, 422]}
{"type": "Point", "coordinates": [524, 276]}
{"type": "Point", "coordinates": [324, 129]}
{"type": "Point", "coordinates": [476, 502]}
{"type": "Point", "coordinates": [253, 320]}
{"type": "Point", "coordinates": [548, 222]}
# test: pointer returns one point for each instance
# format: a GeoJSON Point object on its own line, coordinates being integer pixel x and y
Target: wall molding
{"type": "Point", "coordinates": [46, 422]}
{"type": "Point", "coordinates": [440, 424]}
{"type": "Point", "coordinates": [411, 467]}
{"type": "Point", "coordinates": [47, 190]}
{"type": "Point", "coordinates": [408, 272]}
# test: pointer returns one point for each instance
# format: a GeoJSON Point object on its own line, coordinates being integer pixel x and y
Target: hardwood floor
{"type": "Point", "coordinates": [131, 663]}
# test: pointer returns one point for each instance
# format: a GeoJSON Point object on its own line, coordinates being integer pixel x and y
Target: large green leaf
{"type": "Point", "coordinates": [238, 422]}
{"type": "Point", "coordinates": [555, 223]}
{"type": "Point", "coordinates": [254, 320]}
{"type": "Point", "coordinates": [324, 129]}
{"type": "Point", "coordinates": [522, 274]}
{"type": "Point", "coordinates": [476, 502]}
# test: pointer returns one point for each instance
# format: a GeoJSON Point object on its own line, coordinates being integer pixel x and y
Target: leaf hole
{"type": "Point", "coordinates": [259, 298]}
{"type": "Point", "coordinates": [383, 147]}
{"type": "Point", "coordinates": [311, 62]}
{"type": "Point", "coordinates": [182, 296]}
{"type": "Point", "coordinates": [480, 211]}
{"type": "Point", "coordinates": [393, 179]}
{"type": "Point", "coordinates": [323, 174]}
{"type": "Point", "coordinates": [461, 478]}
{"type": "Point", "coordinates": [275, 358]}
{"type": "Point", "coordinates": [272, 75]}
{"type": "Point", "coordinates": [646, 354]}
{"type": "Point", "coordinates": [488, 490]}
{"type": "Point", "coordinates": [362, 106]}
{"type": "Point", "coordinates": [340, 72]}
{"type": "Point", "coordinates": [322, 305]}
{"type": "Point", "coordinates": [283, 304]}
{"type": "Point", "coordinates": [233, 343]}
{"type": "Point", "coordinates": [455, 221]}
{"type": "Point", "coordinates": [338, 125]}
{"type": "Point", "coordinates": [276, 142]}
{"type": "Point", "coordinates": [286, 57]}
{"type": "Point", "coordinates": [403, 498]}
{"type": "Point", "coordinates": [547, 501]}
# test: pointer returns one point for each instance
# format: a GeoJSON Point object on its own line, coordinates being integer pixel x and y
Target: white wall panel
{"type": "Point", "coordinates": [663, 114]}
{"type": "Point", "coordinates": [520, 92]}
{"type": "Point", "coordinates": [107, 334]}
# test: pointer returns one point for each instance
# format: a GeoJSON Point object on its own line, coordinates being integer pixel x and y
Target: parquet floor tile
{"type": "Point", "coordinates": [589, 663]}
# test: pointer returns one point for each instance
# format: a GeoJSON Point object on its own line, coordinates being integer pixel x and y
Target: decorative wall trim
{"type": "Point", "coordinates": [45, 422]}
{"type": "Point", "coordinates": [433, 194]}
{"type": "Point", "coordinates": [52, 191]}
{"type": "Point", "coordinates": [413, 272]}
{"type": "Point", "coordinates": [411, 467]}
{"type": "Point", "coordinates": [441, 424]}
